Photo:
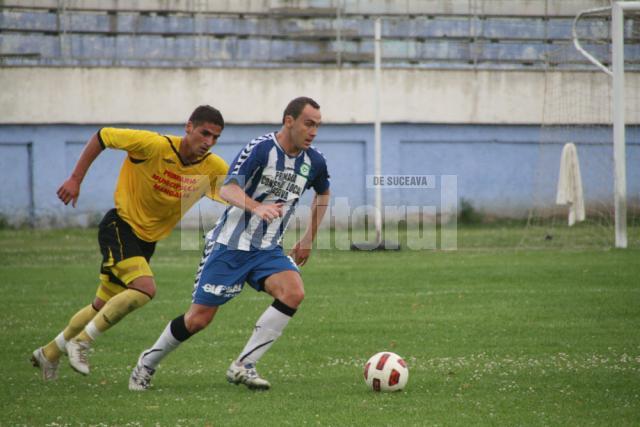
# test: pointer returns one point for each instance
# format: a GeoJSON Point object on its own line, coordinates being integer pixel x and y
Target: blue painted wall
{"type": "Point", "coordinates": [502, 170]}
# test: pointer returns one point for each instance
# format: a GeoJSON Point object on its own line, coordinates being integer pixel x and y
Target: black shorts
{"type": "Point", "coordinates": [118, 242]}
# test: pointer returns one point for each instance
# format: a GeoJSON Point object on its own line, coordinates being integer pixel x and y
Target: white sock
{"type": "Point", "coordinates": [92, 330]}
{"type": "Point", "coordinates": [61, 342]}
{"type": "Point", "coordinates": [165, 344]}
{"type": "Point", "coordinates": [267, 330]}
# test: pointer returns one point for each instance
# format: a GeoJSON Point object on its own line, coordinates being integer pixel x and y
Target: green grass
{"type": "Point", "coordinates": [494, 333]}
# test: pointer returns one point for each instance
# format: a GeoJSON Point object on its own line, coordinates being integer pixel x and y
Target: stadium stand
{"type": "Point", "coordinates": [99, 34]}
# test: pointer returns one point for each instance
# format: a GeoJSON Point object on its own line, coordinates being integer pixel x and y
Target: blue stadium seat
{"type": "Point", "coordinates": [513, 28]}
{"type": "Point", "coordinates": [28, 21]}
{"type": "Point", "coordinates": [25, 43]}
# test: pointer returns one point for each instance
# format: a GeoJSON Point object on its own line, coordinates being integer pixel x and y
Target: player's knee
{"type": "Point", "coordinates": [144, 284]}
{"type": "Point", "coordinates": [293, 296]}
{"type": "Point", "coordinates": [197, 320]}
{"type": "Point", "coordinates": [98, 303]}
{"type": "Point", "coordinates": [286, 287]}
{"type": "Point", "coordinates": [196, 324]}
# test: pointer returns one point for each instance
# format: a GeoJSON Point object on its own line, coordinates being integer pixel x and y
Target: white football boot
{"type": "Point", "coordinates": [246, 374]}
{"type": "Point", "coordinates": [140, 379]}
{"type": "Point", "coordinates": [78, 352]}
{"type": "Point", "coordinates": [49, 369]}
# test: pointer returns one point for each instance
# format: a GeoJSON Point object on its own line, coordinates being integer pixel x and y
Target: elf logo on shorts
{"type": "Point", "coordinates": [222, 290]}
{"type": "Point", "coordinates": [304, 169]}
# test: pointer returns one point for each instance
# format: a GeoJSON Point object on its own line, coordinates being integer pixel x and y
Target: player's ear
{"type": "Point", "coordinates": [188, 127]}
{"type": "Point", "coordinates": [288, 121]}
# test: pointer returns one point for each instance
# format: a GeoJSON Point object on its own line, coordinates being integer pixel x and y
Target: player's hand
{"type": "Point", "coordinates": [69, 191]}
{"type": "Point", "coordinates": [301, 252]}
{"type": "Point", "coordinates": [268, 212]}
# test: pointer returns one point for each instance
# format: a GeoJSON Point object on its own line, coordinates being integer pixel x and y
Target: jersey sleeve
{"type": "Point", "coordinates": [251, 158]}
{"type": "Point", "coordinates": [321, 182]}
{"type": "Point", "coordinates": [217, 174]}
{"type": "Point", "coordinates": [141, 144]}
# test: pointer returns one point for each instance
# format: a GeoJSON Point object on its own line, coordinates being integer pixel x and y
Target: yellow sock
{"type": "Point", "coordinates": [112, 312]}
{"type": "Point", "coordinates": [52, 351]}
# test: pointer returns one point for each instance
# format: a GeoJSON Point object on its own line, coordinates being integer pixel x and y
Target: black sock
{"type": "Point", "coordinates": [179, 329]}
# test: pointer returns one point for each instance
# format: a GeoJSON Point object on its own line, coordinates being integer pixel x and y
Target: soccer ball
{"type": "Point", "coordinates": [386, 371]}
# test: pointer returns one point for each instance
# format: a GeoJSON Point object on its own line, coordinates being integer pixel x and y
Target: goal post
{"type": "Point", "coordinates": [618, 106]}
{"type": "Point", "coordinates": [618, 109]}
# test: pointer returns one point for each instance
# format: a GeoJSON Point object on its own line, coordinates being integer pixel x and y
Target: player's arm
{"type": "Point", "coordinates": [216, 179]}
{"type": "Point", "coordinates": [302, 250]}
{"type": "Point", "coordinates": [233, 194]}
{"type": "Point", "coordinates": [70, 189]}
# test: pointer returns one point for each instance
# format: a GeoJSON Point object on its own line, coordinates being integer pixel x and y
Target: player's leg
{"type": "Point", "coordinates": [174, 334]}
{"type": "Point", "coordinates": [106, 290]}
{"type": "Point", "coordinates": [47, 358]}
{"type": "Point", "coordinates": [178, 331]}
{"type": "Point", "coordinates": [287, 288]}
{"type": "Point", "coordinates": [139, 292]}
{"type": "Point", "coordinates": [206, 298]}
{"type": "Point", "coordinates": [126, 263]}
{"type": "Point", "coordinates": [288, 291]}
{"type": "Point", "coordinates": [55, 348]}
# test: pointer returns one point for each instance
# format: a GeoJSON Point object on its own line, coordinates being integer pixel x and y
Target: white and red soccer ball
{"type": "Point", "coordinates": [386, 371]}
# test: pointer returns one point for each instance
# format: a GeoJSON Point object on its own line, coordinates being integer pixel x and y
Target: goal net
{"type": "Point", "coordinates": [578, 109]}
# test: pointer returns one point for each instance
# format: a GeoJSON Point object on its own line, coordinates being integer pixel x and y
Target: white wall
{"type": "Point", "coordinates": [165, 96]}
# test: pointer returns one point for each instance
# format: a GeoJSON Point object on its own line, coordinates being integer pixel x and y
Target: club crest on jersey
{"type": "Point", "coordinates": [305, 169]}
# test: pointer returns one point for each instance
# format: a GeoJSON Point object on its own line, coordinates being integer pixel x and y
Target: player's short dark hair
{"type": "Point", "coordinates": [206, 114]}
{"type": "Point", "coordinates": [296, 106]}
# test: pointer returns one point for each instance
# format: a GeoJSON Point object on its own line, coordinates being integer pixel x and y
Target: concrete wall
{"type": "Point", "coordinates": [248, 96]}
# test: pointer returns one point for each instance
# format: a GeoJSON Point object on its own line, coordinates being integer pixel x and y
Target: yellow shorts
{"type": "Point", "coordinates": [125, 256]}
{"type": "Point", "coordinates": [125, 272]}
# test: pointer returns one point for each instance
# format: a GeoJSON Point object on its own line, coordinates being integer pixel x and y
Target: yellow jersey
{"type": "Point", "coordinates": [155, 187]}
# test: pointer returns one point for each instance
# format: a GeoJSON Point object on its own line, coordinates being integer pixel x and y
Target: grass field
{"type": "Point", "coordinates": [493, 336]}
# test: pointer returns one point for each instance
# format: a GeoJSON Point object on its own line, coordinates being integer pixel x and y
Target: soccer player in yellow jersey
{"type": "Point", "coordinates": [161, 178]}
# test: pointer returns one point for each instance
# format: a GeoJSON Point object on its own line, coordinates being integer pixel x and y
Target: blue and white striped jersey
{"type": "Point", "coordinates": [268, 175]}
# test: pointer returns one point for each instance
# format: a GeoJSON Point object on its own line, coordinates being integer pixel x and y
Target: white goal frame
{"type": "Point", "coordinates": [617, 106]}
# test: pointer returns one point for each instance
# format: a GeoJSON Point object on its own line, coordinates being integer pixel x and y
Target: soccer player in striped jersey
{"type": "Point", "coordinates": [263, 187]}
{"type": "Point", "coordinates": [161, 178]}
